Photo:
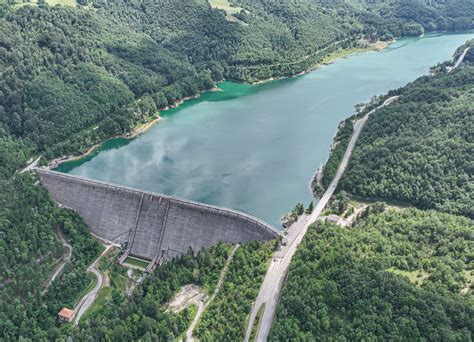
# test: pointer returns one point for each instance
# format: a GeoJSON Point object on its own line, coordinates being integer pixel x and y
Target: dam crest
{"type": "Point", "coordinates": [152, 226]}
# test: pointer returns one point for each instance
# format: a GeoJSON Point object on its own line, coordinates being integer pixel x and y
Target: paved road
{"type": "Point", "coordinates": [89, 298]}
{"type": "Point", "coordinates": [297, 61]}
{"type": "Point", "coordinates": [61, 266]}
{"type": "Point", "coordinates": [272, 284]}
{"type": "Point", "coordinates": [31, 166]}
{"type": "Point", "coordinates": [202, 306]}
{"type": "Point", "coordinates": [460, 60]}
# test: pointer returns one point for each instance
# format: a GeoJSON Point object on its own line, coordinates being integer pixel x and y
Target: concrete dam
{"type": "Point", "coordinates": [152, 226]}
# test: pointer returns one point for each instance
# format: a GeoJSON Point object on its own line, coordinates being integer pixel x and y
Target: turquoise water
{"type": "Point", "coordinates": [256, 148]}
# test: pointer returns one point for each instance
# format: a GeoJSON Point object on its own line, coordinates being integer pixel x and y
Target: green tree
{"type": "Point", "coordinates": [310, 208]}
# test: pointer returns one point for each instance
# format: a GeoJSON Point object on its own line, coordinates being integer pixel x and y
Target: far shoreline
{"type": "Point", "coordinates": [135, 133]}
{"type": "Point", "coordinates": [329, 59]}
{"type": "Point", "coordinates": [144, 127]}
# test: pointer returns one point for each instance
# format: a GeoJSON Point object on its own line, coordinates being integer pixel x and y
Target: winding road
{"type": "Point", "coordinates": [304, 58]}
{"type": "Point", "coordinates": [460, 60]}
{"type": "Point", "coordinates": [202, 306]}
{"type": "Point", "coordinates": [61, 266]}
{"type": "Point", "coordinates": [272, 284]}
{"type": "Point", "coordinates": [86, 301]}
{"type": "Point", "coordinates": [31, 166]}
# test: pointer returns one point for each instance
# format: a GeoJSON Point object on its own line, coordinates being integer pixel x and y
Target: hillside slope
{"type": "Point", "coordinates": [419, 150]}
{"type": "Point", "coordinates": [396, 273]}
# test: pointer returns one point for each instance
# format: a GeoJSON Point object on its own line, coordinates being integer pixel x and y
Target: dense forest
{"type": "Point", "coordinates": [419, 149]}
{"type": "Point", "coordinates": [396, 275]}
{"type": "Point", "coordinates": [144, 314]}
{"type": "Point", "coordinates": [226, 317]}
{"type": "Point", "coordinates": [30, 250]}
{"type": "Point", "coordinates": [29, 253]}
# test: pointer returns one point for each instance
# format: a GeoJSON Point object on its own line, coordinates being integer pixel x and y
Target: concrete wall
{"type": "Point", "coordinates": [153, 226]}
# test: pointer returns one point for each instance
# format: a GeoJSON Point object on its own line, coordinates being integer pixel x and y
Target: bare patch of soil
{"type": "Point", "coordinates": [189, 294]}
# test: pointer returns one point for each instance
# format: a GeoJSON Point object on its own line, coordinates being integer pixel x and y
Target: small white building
{"type": "Point", "coordinates": [335, 219]}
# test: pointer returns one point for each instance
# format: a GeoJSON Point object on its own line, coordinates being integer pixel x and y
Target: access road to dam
{"type": "Point", "coordinates": [460, 60]}
{"type": "Point", "coordinates": [273, 282]}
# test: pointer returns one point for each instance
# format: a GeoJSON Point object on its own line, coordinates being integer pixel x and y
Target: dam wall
{"type": "Point", "coordinates": [153, 226]}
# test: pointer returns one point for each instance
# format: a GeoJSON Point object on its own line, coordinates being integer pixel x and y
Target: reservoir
{"type": "Point", "coordinates": [256, 148]}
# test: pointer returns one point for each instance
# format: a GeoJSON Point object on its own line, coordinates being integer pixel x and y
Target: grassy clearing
{"type": "Point", "coordinates": [389, 203]}
{"type": "Point", "coordinates": [469, 275]}
{"type": "Point", "coordinates": [343, 53]}
{"type": "Point", "coordinates": [136, 262]}
{"type": "Point", "coordinates": [100, 301]}
{"type": "Point", "coordinates": [21, 4]}
{"type": "Point", "coordinates": [416, 277]}
{"type": "Point", "coordinates": [193, 309]}
{"type": "Point", "coordinates": [106, 261]}
{"type": "Point", "coordinates": [224, 5]}
{"type": "Point", "coordinates": [469, 285]}
{"type": "Point", "coordinates": [71, 3]}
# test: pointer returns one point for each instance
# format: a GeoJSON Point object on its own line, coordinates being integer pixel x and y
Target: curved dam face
{"type": "Point", "coordinates": [152, 226]}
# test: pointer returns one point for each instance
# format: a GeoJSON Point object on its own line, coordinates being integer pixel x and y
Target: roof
{"type": "Point", "coordinates": [333, 218]}
{"type": "Point", "coordinates": [66, 313]}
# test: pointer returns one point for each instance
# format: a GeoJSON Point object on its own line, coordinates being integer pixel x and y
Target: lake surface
{"type": "Point", "coordinates": [256, 148]}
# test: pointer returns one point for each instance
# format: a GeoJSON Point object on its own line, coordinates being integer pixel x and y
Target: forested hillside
{"type": "Point", "coordinates": [29, 252]}
{"type": "Point", "coordinates": [226, 317]}
{"type": "Point", "coordinates": [71, 78]}
{"type": "Point", "coordinates": [397, 275]}
{"type": "Point", "coordinates": [419, 149]}
{"type": "Point", "coordinates": [144, 315]}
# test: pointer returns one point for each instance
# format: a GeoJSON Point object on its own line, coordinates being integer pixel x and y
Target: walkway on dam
{"type": "Point", "coordinates": [273, 282]}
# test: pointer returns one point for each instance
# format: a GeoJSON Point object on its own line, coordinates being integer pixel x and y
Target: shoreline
{"type": "Point", "coordinates": [376, 46]}
{"type": "Point", "coordinates": [142, 128]}
{"type": "Point", "coordinates": [136, 132]}
{"type": "Point", "coordinates": [54, 163]}
{"type": "Point", "coordinates": [331, 58]}
{"type": "Point", "coordinates": [316, 183]}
